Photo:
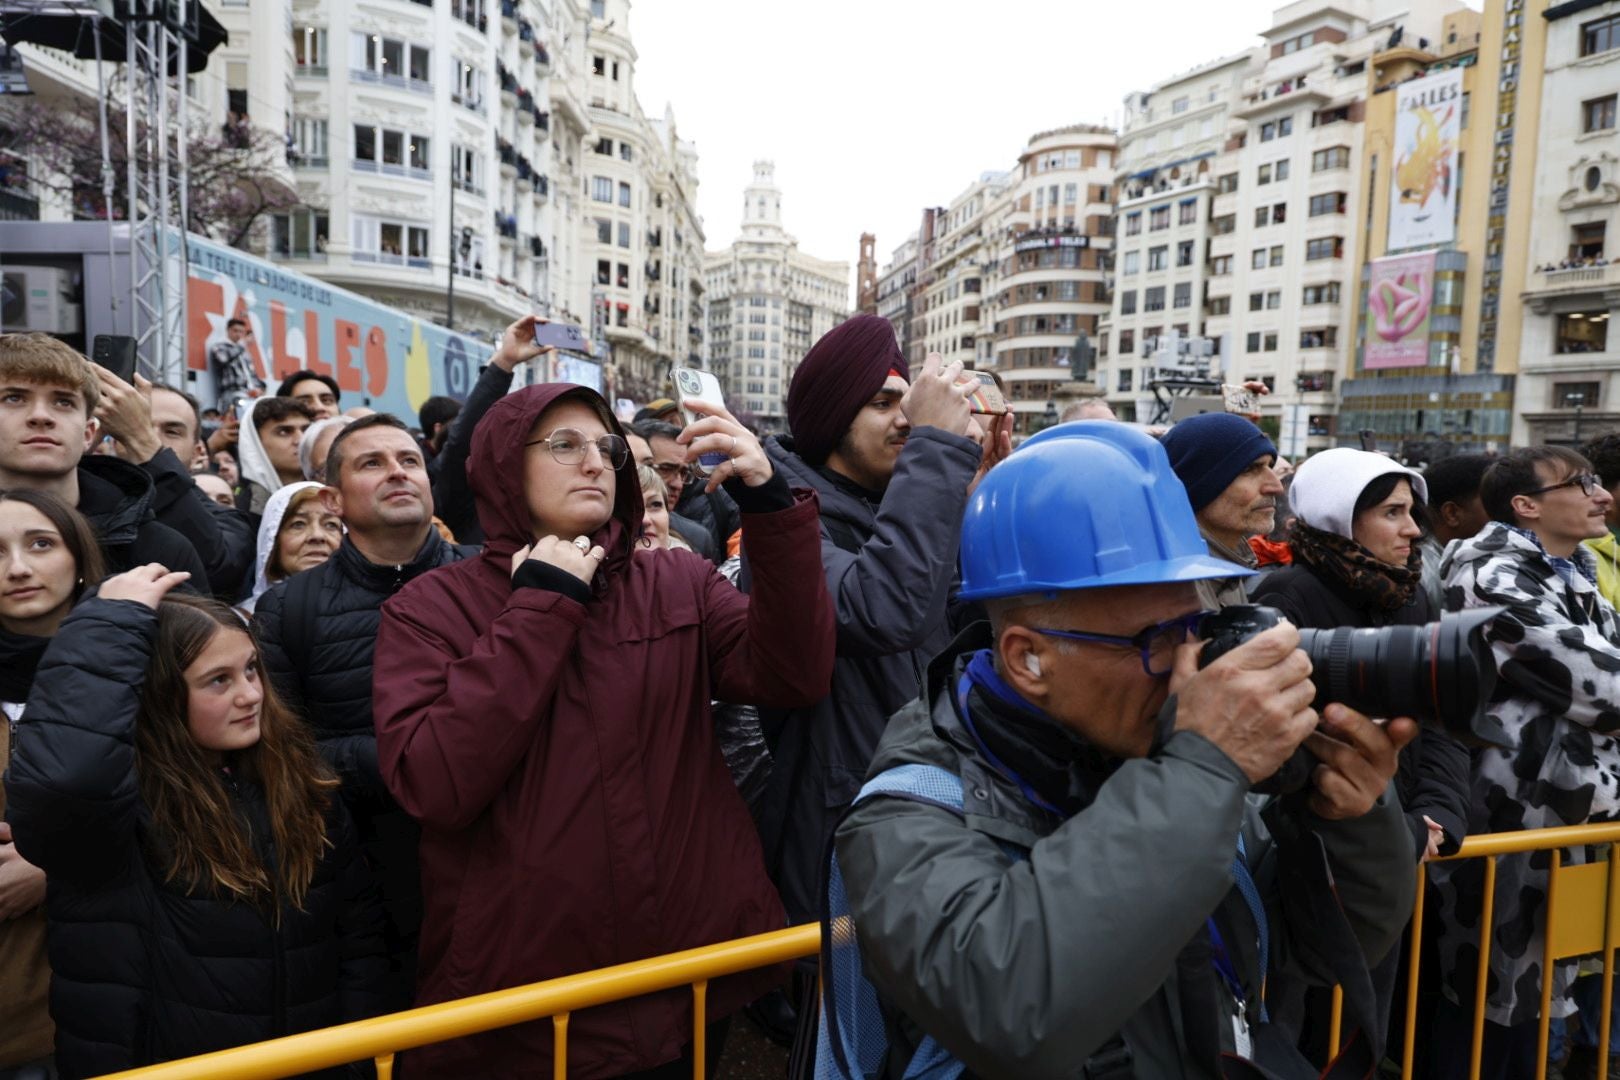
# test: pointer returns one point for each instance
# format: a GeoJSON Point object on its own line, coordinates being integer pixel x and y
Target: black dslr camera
{"type": "Point", "coordinates": [1441, 674]}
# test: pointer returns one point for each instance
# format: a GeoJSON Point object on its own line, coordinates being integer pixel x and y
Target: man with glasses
{"type": "Point", "coordinates": [714, 510]}
{"type": "Point", "coordinates": [671, 467]}
{"type": "Point", "coordinates": [1557, 648]}
{"type": "Point", "coordinates": [1055, 868]}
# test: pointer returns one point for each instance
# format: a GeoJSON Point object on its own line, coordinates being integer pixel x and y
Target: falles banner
{"type": "Point", "coordinates": [1428, 126]}
{"type": "Point", "coordinates": [379, 356]}
{"type": "Point", "coordinates": [1400, 293]}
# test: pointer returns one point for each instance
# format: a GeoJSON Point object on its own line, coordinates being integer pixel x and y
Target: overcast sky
{"type": "Point", "coordinates": [873, 109]}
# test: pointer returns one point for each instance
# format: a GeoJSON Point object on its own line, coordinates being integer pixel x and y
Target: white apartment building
{"type": "Point", "coordinates": [1164, 186]}
{"type": "Point", "coordinates": [639, 238]}
{"type": "Point", "coordinates": [1569, 349]}
{"type": "Point", "coordinates": [768, 303]}
{"type": "Point", "coordinates": [417, 134]}
{"type": "Point", "coordinates": [1049, 245]}
{"type": "Point", "coordinates": [896, 284]}
{"type": "Point", "coordinates": [1288, 202]}
{"type": "Point", "coordinates": [951, 301]}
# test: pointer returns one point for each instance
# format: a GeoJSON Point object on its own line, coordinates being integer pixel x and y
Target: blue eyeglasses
{"type": "Point", "coordinates": [1156, 643]}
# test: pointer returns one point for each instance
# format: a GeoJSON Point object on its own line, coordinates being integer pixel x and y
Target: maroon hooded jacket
{"type": "Point", "coordinates": [561, 758]}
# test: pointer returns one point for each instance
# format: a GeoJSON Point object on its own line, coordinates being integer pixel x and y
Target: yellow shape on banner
{"type": "Point", "coordinates": [418, 374]}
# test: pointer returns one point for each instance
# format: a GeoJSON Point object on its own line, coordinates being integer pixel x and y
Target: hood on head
{"type": "Point", "coordinates": [269, 526]}
{"type": "Point", "coordinates": [1326, 487]}
{"type": "Point", "coordinates": [252, 460]}
{"type": "Point", "coordinates": [495, 467]}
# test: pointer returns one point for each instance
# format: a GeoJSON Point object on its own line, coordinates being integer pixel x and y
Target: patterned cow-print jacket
{"type": "Point", "coordinates": [1557, 651]}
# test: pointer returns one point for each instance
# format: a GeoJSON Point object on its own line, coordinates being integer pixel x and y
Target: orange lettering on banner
{"type": "Point", "coordinates": [376, 361]}
{"type": "Point", "coordinates": [285, 364]}
{"type": "Point", "coordinates": [345, 336]}
{"type": "Point", "coordinates": [312, 345]}
{"type": "Point", "coordinates": [203, 298]}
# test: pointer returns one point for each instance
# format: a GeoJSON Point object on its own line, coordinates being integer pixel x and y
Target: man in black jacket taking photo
{"type": "Point", "coordinates": [317, 632]}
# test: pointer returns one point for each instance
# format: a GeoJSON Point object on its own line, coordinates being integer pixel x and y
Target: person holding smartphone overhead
{"type": "Point", "coordinates": [543, 713]}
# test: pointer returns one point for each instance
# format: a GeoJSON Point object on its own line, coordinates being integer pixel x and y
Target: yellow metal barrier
{"type": "Point", "coordinates": [381, 1037]}
{"type": "Point", "coordinates": [1583, 917]}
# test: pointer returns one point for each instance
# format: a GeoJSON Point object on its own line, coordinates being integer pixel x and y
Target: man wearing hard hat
{"type": "Point", "coordinates": [1056, 867]}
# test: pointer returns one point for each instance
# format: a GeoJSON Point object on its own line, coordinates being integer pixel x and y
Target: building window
{"type": "Point", "coordinates": [1220, 265]}
{"type": "Point", "coordinates": [1226, 184]}
{"type": "Point", "coordinates": [1124, 383]}
{"type": "Point", "coordinates": [1598, 114]}
{"type": "Point", "coordinates": [1322, 294]}
{"type": "Point", "coordinates": [1279, 170]}
{"type": "Point", "coordinates": [310, 50]}
{"type": "Point", "coordinates": [1127, 342]}
{"type": "Point", "coordinates": [604, 231]}
{"type": "Point", "coordinates": [1178, 106]}
{"type": "Point", "coordinates": [1263, 174]}
{"type": "Point", "coordinates": [1586, 241]}
{"type": "Point", "coordinates": [626, 152]}
{"type": "Point", "coordinates": [624, 193]}
{"type": "Point", "coordinates": [386, 59]}
{"type": "Point", "coordinates": [302, 234]}
{"type": "Point", "coordinates": [1132, 262]}
{"type": "Point", "coordinates": [1268, 131]}
{"type": "Point", "coordinates": [1252, 342]}
{"type": "Point", "coordinates": [1183, 295]}
{"type": "Point", "coordinates": [1189, 213]}
{"type": "Point", "coordinates": [1582, 332]}
{"type": "Point", "coordinates": [1257, 301]}
{"type": "Point", "coordinates": [1257, 259]}
{"type": "Point", "coordinates": [1567, 395]}
{"type": "Point", "coordinates": [624, 234]}
{"type": "Point", "coordinates": [469, 88]}
{"type": "Point", "coordinates": [604, 272]}
{"type": "Point", "coordinates": [1327, 247]}
{"type": "Point", "coordinates": [1184, 253]}
{"type": "Point", "coordinates": [390, 151]}
{"type": "Point", "coordinates": [1269, 343]}
{"type": "Point", "coordinates": [1333, 202]}
{"type": "Point", "coordinates": [1159, 218]}
{"type": "Point", "coordinates": [1325, 338]}
{"type": "Point", "coordinates": [1158, 258]}
{"type": "Point", "coordinates": [1334, 157]}
{"type": "Point", "coordinates": [1223, 225]}
{"type": "Point", "coordinates": [309, 141]}
{"type": "Point", "coordinates": [1220, 305]}
{"type": "Point", "coordinates": [1600, 36]}
{"type": "Point", "coordinates": [1153, 299]}
{"type": "Point", "coordinates": [1133, 223]}
{"type": "Point", "coordinates": [604, 146]}
{"type": "Point", "coordinates": [598, 65]}
{"type": "Point", "coordinates": [394, 242]}
{"type": "Point", "coordinates": [467, 169]}
{"type": "Point", "coordinates": [602, 189]}
{"type": "Point", "coordinates": [1127, 302]}
{"type": "Point", "coordinates": [1275, 214]}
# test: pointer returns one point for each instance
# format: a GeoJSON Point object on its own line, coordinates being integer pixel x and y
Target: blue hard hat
{"type": "Point", "coordinates": [1083, 505]}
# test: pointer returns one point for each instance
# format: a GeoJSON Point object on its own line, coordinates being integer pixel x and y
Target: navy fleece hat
{"type": "Point", "coordinates": [1209, 451]}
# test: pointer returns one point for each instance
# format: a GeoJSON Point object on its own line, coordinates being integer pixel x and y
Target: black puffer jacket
{"type": "Point", "coordinates": [144, 971]}
{"type": "Point", "coordinates": [117, 498]}
{"type": "Point", "coordinates": [322, 668]}
{"type": "Point", "coordinates": [1434, 768]}
{"type": "Point", "coordinates": [223, 537]}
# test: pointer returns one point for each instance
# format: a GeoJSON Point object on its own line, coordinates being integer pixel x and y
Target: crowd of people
{"type": "Point", "coordinates": [316, 715]}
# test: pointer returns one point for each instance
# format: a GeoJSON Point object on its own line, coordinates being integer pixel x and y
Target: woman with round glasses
{"type": "Point", "coordinates": [1356, 562]}
{"type": "Point", "coordinates": [544, 712]}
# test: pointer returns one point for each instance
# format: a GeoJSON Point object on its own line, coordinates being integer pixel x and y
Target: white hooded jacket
{"type": "Point", "coordinates": [269, 526]}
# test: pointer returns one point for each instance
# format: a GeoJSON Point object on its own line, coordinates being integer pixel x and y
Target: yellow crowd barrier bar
{"type": "Point", "coordinates": [555, 998]}
{"type": "Point", "coordinates": [1583, 918]}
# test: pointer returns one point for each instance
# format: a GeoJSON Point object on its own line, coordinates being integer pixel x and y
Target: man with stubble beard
{"type": "Point", "coordinates": [1227, 465]}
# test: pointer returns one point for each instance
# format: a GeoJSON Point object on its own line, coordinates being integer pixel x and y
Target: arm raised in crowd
{"type": "Point", "coordinates": [71, 793]}
{"type": "Point", "coordinates": [449, 729]}
{"type": "Point", "coordinates": [223, 537]}
{"type": "Point", "coordinates": [887, 594]}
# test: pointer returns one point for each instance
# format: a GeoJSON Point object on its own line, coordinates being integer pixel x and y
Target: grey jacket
{"type": "Point", "coordinates": [889, 599]}
{"type": "Point", "coordinates": [1217, 593]}
{"type": "Point", "coordinates": [1028, 967]}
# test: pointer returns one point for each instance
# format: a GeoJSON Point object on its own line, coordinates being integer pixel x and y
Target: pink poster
{"type": "Point", "coordinates": [1400, 290]}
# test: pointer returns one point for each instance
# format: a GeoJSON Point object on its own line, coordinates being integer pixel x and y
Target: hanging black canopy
{"type": "Point", "coordinates": [70, 27]}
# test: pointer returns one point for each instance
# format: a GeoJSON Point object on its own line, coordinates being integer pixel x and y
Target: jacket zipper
{"type": "Point", "coordinates": [278, 952]}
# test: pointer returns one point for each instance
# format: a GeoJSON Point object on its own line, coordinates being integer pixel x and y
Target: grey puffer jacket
{"type": "Point", "coordinates": [890, 568]}
{"type": "Point", "coordinates": [1027, 965]}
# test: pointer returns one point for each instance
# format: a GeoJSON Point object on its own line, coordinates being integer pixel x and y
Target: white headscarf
{"type": "Point", "coordinates": [1327, 485]}
{"type": "Point", "coordinates": [252, 460]}
{"type": "Point", "coordinates": [269, 526]}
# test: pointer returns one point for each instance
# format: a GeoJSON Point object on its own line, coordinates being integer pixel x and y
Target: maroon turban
{"type": "Point", "coordinates": [837, 377]}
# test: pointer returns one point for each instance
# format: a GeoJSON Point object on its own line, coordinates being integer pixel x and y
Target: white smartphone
{"type": "Point", "coordinates": [694, 384]}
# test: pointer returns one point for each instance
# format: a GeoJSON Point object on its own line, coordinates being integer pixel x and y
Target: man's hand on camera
{"type": "Point", "coordinates": [1254, 703]}
{"type": "Point", "coordinates": [1358, 759]}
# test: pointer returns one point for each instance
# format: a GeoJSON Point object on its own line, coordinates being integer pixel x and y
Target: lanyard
{"type": "Point", "coordinates": [981, 673]}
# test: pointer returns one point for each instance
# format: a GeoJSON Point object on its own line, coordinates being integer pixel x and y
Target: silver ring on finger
{"type": "Point", "coordinates": [583, 543]}
{"type": "Point", "coordinates": [733, 449]}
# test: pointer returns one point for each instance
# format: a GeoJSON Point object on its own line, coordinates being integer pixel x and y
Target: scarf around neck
{"type": "Point", "coordinates": [1344, 562]}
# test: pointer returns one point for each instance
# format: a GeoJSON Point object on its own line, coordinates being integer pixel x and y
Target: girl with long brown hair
{"type": "Point", "coordinates": [206, 888]}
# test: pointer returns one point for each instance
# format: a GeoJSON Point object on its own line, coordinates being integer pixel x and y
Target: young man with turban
{"type": "Point", "coordinates": [892, 460]}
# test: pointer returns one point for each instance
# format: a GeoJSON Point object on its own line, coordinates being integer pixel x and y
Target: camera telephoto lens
{"type": "Point", "coordinates": [1441, 674]}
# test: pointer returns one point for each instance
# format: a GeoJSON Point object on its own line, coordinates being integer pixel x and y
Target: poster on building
{"type": "Point", "coordinates": [379, 356]}
{"type": "Point", "coordinates": [1428, 124]}
{"type": "Point", "coordinates": [1400, 291]}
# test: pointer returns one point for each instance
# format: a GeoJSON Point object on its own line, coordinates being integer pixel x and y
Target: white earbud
{"type": "Point", "coordinates": [1033, 663]}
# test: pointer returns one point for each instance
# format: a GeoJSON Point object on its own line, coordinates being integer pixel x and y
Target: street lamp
{"type": "Point", "coordinates": [1577, 399]}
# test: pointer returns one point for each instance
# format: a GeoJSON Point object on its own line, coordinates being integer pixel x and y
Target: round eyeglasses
{"type": "Point", "coordinates": [1156, 643]}
{"type": "Point", "coordinates": [1589, 483]}
{"type": "Point", "coordinates": [567, 447]}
